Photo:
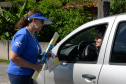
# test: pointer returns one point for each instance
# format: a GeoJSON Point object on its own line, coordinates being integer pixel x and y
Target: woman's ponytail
{"type": "Point", "coordinates": [22, 23]}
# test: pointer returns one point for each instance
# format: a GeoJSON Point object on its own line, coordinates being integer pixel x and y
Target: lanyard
{"type": "Point", "coordinates": [34, 38]}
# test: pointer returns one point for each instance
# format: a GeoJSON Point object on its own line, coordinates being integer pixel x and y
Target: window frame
{"type": "Point", "coordinates": [84, 29]}
{"type": "Point", "coordinates": [113, 43]}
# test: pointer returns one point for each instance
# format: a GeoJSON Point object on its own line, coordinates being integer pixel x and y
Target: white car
{"type": "Point", "coordinates": [80, 64]}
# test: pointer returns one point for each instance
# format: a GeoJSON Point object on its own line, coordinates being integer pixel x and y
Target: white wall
{"type": "Point", "coordinates": [5, 47]}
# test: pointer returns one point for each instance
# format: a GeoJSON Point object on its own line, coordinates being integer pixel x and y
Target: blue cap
{"type": "Point", "coordinates": [40, 16]}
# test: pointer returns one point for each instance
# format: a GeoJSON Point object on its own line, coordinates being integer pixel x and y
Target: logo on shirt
{"type": "Point", "coordinates": [18, 44]}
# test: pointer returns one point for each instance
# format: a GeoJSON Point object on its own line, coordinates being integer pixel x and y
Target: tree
{"type": "Point", "coordinates": [8, 19]}
{"type": "Point", "coordinates": [64, 20]}
{"type": "Point", "coordinates": [117, 7]}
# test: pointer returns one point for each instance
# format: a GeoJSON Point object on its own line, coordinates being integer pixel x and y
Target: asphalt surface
{"type": "Point", "coordinates": [3, 74]}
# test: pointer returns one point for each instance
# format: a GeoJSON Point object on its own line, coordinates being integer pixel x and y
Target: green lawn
{"type": "Point", "coordinates": [4, 61]}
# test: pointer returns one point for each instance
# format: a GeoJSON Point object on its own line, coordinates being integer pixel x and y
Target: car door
{"type": "Point", "coordinates": [72, 69]}
{"type": "Point", "coordinates": [114, 68]}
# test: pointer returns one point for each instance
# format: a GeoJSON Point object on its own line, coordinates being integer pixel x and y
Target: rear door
{"type": "Point", "coordinates": [114, 68]}
{"type": "Point", "coordinates": [72, 68]}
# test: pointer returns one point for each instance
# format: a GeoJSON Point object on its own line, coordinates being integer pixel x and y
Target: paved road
{"type": "Point", "coordinates": [3, 74]}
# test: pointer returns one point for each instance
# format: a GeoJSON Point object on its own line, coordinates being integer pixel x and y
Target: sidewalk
{"type": "Point", "coordinates": [3, 74]}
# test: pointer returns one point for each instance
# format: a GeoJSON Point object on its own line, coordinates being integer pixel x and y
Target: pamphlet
{"type": "Point", "coordinates": [51, 63]}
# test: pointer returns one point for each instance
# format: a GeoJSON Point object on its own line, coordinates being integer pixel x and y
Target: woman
{"type": "Point", "coordinates": [25, 48]}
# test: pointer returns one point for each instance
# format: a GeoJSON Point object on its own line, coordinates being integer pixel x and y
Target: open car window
{"type": "Point", "coordinates": [81, 47]}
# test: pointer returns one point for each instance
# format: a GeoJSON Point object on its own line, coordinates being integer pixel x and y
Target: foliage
{"type": "Point", "coordinates": [117, 7]}
{"type": "Point", "coordinates": [74, 2]}
{"type": "Point", "coordinates": [4, 61]}
{"type": "Point", "coordinates": [86, 36]}
{"type": "Point", "coordinates": [7, 22]}
{"type": "Point", "coordinates": [8, 19]}
{"type": "Point", "coordinates": [64, 20]}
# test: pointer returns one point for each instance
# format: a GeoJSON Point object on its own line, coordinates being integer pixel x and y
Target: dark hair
{"type": "Point", "coordinates": [24, 20]}
{"type": "Point", "coordinates": [101, 29]}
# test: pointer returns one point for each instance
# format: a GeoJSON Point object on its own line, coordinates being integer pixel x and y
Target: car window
{"type": "Point", "coordinates": [118, 54]}
{"type": "Point", "coordinates": [81, 46]}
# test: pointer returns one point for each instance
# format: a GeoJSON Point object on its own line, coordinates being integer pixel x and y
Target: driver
{"type": "Point", "coordinates": [91, 53]}
{"type": "Point", "coordinates": [99, 37]}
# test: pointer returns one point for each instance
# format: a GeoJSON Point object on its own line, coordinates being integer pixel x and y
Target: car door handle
{"type": "Point", "coordinates": [88, 77]}
{"type": "Point", "coordinates": [64, 64]}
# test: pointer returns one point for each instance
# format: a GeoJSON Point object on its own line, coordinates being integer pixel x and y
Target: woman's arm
{"type": "Point", "coordinates": [14, 57]}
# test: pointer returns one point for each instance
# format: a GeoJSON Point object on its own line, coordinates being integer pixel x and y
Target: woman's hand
{"type": "Point", "coordinates": [37, 67]}
{"type": "Point", "coordinates": [49, 55]}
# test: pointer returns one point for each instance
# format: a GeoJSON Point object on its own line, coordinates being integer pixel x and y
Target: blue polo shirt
{"type": "Point", "coordinates": [27, 48]}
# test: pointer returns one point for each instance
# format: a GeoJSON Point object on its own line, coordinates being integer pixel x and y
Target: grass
{"type": "Point", "coordinates": [4, 61]}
